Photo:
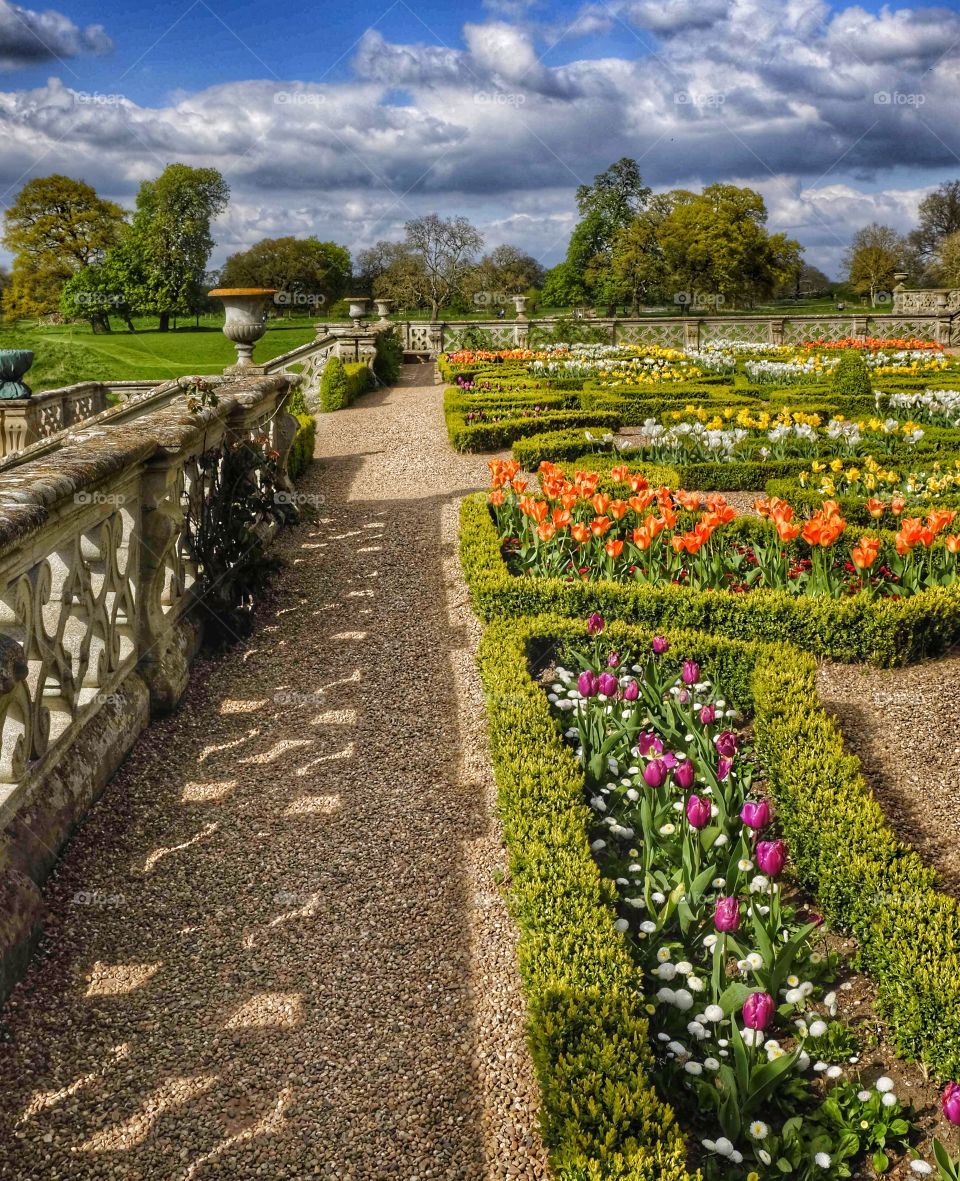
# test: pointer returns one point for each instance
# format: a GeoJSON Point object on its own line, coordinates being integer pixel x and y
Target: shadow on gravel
{"type": "Point", "coordinates": [257, 959]}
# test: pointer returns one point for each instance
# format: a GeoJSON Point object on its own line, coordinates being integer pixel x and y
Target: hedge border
{"type": "Point", "coordinates": [600, 1115]}
{"type": "Point", "coordinates": [879, 631]}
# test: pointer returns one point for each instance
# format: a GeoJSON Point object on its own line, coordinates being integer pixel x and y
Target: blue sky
{"type": "Point", "coordinates": [345, 120]}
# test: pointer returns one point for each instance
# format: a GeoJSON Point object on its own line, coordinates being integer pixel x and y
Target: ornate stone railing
{"type": "Point", "coordinates": [97, 627]}
{"type": "Point", "coordinates": [308, 361]}
{"type": "Point", "coordinates": [691, 331]}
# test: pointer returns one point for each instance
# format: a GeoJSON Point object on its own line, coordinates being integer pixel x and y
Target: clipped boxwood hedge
{"type": "Point", "coordinates": [884, 631]}
{"type": "Point", "coordinates": [600, 1115]}
{"type": "Point", "coordinates": [493, 436]}
{"type": "Point", "coordinates": [342, 384]}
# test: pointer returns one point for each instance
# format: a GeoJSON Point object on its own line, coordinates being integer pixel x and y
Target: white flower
{"type": "Point", "coordinates": [709, 1145]}
{"type": "Point", "coordinates": [648, 926]}
{"type": "Point", "coordinates": [834, 1072]}
{"type": "Point", "coordinates": [806, 988]}
{"type": "Point", "coordinates": [637, 903]}
{"type": "Point", "coordinates": [764, 1155]}
{"type": "Point", "coordinates": [823, 1160]}
{"type": "Point", "coordinates": [759, 1130]}
{"type": "Point", "coordinates": [921, 1167]}
{"type": "Point", "coordinates": [752, 1037]}
{"type": "Point", "coordinates": [803, 1062]}
{"type": "Point", "coordinates": [683, 1000]}
{"type": "Point", "coordinates": [665, 972]}
{"type": "Point", "coordinates": [818, 1028]}
{"type": "Point", "coordinates": [713, 1013]}
{"type": "Point", "coordinates": [663, 1037]}
{"type": "Point", "coordinates": [665, 996]}
{"type": "Point", "coordinates": [710, 942]}
{"type": "Point", "coordinates": [744, 865]}
{"type": "Point", "coordinates": [695, 983]}
{"type": "Point", "coordinates": [598, 845]}
{"type": "Point", "coordinates": [697, 1030]}
{"type": "Point", "coordinates": [693, 1068]}
{"type": "Point", "coordinates": [820, 1066]}
{"type": "Point", "coordinates": [718, 883]}
{"type": "Point", "coordinates": [632, 794]}
{"type": "Point", "coordinates": [793, 981]}
{"type": "Point", "coordinates": [684, 967]}
{"type": "Point", "coordinates": [889, 1099]}
{"type": "Point", "coordinates": [667, 830]}
{"type": "Point", "coordinates": [663, 954]}
{"type": "Point", "coordinates": [721, 839]}
{"type": "Point", "coordinates": [759, 884]}
{"type": "Point", "coordinates": [884, 1083]}
{"type": "Point", "coordinates": [794, 996]}
{"type": "Point", "coordinates": [736, 1156]}
{"type": "Point", "coordinates": [621, 925]}
{"type": "Point", "coordinates": [864, 1096]}
{"type": "Point", "coordinates": [711, 1064]}
{"type": "Point", "coordinates": [755, 960]}
{"type": "Point", "coordinates": [723, 1147]}
{"type": "Point", "coordinates": [773, 1055]}
{"type": "Point", "coordinates": [679, 1049]}
{"type": "Point", "coordinates": [658, 898]}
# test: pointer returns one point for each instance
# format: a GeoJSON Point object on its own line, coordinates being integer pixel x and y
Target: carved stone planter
{"type": "Point", "coordinates": [246, 318]}
{"type": "Point", "coordinates": [13, 365]}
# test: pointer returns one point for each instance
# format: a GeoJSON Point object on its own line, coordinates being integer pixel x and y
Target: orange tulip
{"type": "Point", "coordinates": [614, 548]}
{"type": "Point", "coordinates": [952, 542]}
{"type": "Point", "coordinates": [620, 473]}
{"type": "Point", "coordinates": [642, 537]}
{"type": "Point", "coordinates": [638, 483]}
{"type": "Point", "coordinates": [939, 519]}
{"type": "Point", "coordinates": [787, 531]}
{"type": "Point", "coordinates": [641, 501]}
{"type": "Point", "coordinates": [497, 496]}
{"type": "Point", "coordinates": [897, 505]}
{"type": "Point", "coordinates": [600, 504]}
{"type": "Point", "coordinates": [580, 532]}
{"type": "Point", "coordinates": [910, 534]}
{"type": "Point", "coordinates": [518, 485]}
{"type": "Point", "coordinates": [561, 518]}
{"type": "Point", "coordinates": [688, 500]}
{"type": "Point", "coordinates": [875, 507]}
{"type": "Point", "coordinates": [600, 525]}
{"type": "Point", "coordinates": [864, 554]}
{"type": "Point", "coordinates": [546, 531]}
{"type": "Point", "coordinates": [618, 509]}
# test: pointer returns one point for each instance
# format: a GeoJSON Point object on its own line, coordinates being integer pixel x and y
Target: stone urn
{"type": "Point", "coordinates": [13, 365]}
{"type": "Point", "coordinates": [246, 318]}
{"type": "Point", "coordinates": [383, 309]}
{"type": "Point", "coordinates": [520, 303]}
{"type": "Point", "coordinates": [358, 308]}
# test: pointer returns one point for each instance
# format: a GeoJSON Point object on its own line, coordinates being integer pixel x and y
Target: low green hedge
{"type": "Point", "coordinates": [493, 436]}
{"type": "Point", "coordinates": [555, 446]}
{"type": "Point", "coordinates": [301, 449]}
{"type": "Point", "coordinates": [342, 384]}
{"type": "Point", "coordinates": [600, 1114]}
{"type": "Point", "coordinates": [886, 632]}
{"type": "Point", "coordinates": [852, 508]}
{"type": "Point", "coordinates": [463, 401]}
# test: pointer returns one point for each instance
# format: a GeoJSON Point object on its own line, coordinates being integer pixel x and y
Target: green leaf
{"type": "Point", "coordinates": [733, 997]}
{"type": "Point", "coordinates": [784, 1165]}
{"type": "Point", "coordinates": [881, 1162]}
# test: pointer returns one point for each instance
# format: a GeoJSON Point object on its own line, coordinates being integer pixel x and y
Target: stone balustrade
{"type": "Point", "coordinates": [97, 626]}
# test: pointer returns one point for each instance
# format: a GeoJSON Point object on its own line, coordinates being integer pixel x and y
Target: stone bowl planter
{"type": "Point", "coordinates": [13, 365]}
{"type": "Point", "coordinates": [246, 320]}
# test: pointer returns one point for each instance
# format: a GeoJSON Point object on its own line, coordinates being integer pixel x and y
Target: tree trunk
{"type": "Point", "coordinates": [129, 323]}
{"type": "Point", "coordinates": [100, 323]}
{"type": "Point", "coordinates": [164, 325]}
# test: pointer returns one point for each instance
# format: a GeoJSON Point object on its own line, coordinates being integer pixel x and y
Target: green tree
{"type": "Point", "coordinates": [616, 198]}
{"type": "Point", "coordinates": [305, 271]}
{"type": "Point", "coordinates": [638, 268]}
{"type": "Point", "coordinates": [717, 248]}
{"type": "Point", "coordinates": [388, 270]}
{"type": "Point", "coordinates": [170, 240]}
{"type": "Point", "coordinates": [505, 271]}
{"type": "Point", "coordinates": [55, 227]}
{"type": "Point", "coordinates": [938, 216]}
{"type": "Point", "coordinates": [874, 257]}
{"type": "Point", "coordinates": [948, 260]}
{"type": "Point", "coordinates": [563, 287]}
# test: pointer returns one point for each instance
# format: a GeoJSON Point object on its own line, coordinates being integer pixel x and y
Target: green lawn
{"type": "Point", "coordinates": [71, 353]}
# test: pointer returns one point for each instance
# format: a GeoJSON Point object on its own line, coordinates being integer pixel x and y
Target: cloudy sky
{"type": "Point", "coordinates": [346, 119]}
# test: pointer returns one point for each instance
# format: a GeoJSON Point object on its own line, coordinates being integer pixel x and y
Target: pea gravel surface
{"type": "Point", "coordinates": [277, 947]}
{"type": "Point", "coordinates": [902, 723]}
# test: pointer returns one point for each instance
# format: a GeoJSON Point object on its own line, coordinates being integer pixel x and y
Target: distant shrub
{"type": "Point", "coordinates": [851, 378]}
{"type": "Point", "coordinates": [388, 360]}
{"type": "Point", "coordinates": [342, 384]}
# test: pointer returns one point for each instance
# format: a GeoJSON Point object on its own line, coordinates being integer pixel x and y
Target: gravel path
{"type": "Point", "coordinates": [903, 725]}
{"type": "Point", "coordinates": [276, 948]}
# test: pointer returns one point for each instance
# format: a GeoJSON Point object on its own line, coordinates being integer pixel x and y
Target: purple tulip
{"type": "Point", "coordinates": [683, 775]}
{"type": "Point", "coordinates": [771, 857]}
{"type": "Point", "coordinates": [726, 916]}
{"type": "Point", "coordinates": [670, 760]}
{"type": "Point", "coordinates": [609, 685]}
{"type": "Point", "coordinates": [683, 697]}
{"type": "Point", "coordinates": [595, 624]}
{"type": "Point", "coordinates": [660, 645]}
{"type": "Point", "coordinates": [755, 815]}
{"type": "Point", "coordinates": [726, 743]}
{"type": "Point", "coordinates": [647, 742]}
{"type": "Point", "coordinates": [631, 691]}
{"type": "Point", "coordinates": [708, 715]}
{"type": "Point", "coordinates": [654, 773]}
{"type": "Point", "coordinates": [758, 1010]}
{"type": "Point", "coordinates": [724, 767]}
{"type": "Point", "coordinates": [699, 810]}
{"type": "Point", "coordinates": [613, 660]}
{"type": "Point", "coordinates": [690, 673]}
{"type": "Point", "coordinates": [588, 683]}
{"type": "Point", "coordinates": [950, 1102]}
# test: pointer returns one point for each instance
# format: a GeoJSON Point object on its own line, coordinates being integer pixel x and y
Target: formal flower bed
{"type": "Point", "coordinates": [611, 366]}
{"type": "Point", "coordinates": [940, 407]}
{"type": "Point", "coordinates": [664, 536]}
{"type": "Point", "coordinates": [883, 485]}
{"type": "Point", "coordinates": [811, 365]}
{"type": "Point", "coordinates": [656, 857]}
{"type": "Point", "coordinates": [877, 343]}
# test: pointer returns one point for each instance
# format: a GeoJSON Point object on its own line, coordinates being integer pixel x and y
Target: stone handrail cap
{"type": "Point", "coordinates": [244, 291]}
